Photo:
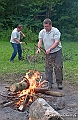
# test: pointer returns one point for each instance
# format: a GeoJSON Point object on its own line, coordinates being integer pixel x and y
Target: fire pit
{"type": "Point", "coordinates": [22, 94]}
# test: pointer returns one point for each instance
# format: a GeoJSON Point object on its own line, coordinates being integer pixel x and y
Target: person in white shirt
{"type": "Point", "coordinates": [15, 42]}
{"type": "Point", "coordinates": [50, 37]}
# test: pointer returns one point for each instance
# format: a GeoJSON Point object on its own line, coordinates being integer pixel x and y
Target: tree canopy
{"type": "Point", "coordinates": [31, 13]}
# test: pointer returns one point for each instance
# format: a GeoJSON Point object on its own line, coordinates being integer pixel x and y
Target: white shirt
{"type": "Point", "coordinates": [15, 34]}
{"type": "Point", "coordinates": [48, 38]}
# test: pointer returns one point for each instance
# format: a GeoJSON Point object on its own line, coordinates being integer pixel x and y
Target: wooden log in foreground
{"type": "Point", "coordinates": [41, 110]}
{"type": "Point", "coordinates": [19, 86]}
{"type": "Point", "coordinates": [46, 91]}
{"type": "Point", "coordinates": [53, 93]}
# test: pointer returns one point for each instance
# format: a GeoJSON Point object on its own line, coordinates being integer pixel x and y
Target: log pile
{"type": "Point", "coordinates": [20, 95]}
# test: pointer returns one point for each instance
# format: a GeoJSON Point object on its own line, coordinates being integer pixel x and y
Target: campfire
{"type": "Point", "coordinates": [22, 94]}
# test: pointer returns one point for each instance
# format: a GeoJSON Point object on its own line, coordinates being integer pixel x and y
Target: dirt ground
{"type": "Point", "coordinates": [69, 112]}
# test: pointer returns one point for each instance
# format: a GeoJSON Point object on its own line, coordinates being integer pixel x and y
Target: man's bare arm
{"type": "Point", "coordinates": [39, 45]}
{"type": "Point", "coordinates": [54, 45]}
{"type": "Point", "coordinates": [15, 39]}
{"type": "Point", "coordinates": [22, 34]}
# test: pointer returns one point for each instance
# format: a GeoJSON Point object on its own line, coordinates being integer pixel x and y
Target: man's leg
{"type": "Point", "coordinates": [59, 68]}
{"type": "Point", "coordinates": [14, 52]}
{"type": "Point", "coordinates": [19, 52]}
{"type": "Point", "coordinates": [49, 70]}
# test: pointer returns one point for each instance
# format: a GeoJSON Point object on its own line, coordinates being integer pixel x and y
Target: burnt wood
{"type": "Point", "coordinates": [20, 86]}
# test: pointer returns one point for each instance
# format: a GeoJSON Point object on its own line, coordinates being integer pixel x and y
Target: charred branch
{"type": "Point", "coordinates": [23, 105]}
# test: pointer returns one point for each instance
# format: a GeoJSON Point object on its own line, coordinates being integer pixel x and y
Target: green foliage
{"type": "Point", "coordinates": [71, 35]}
{"type": "Point", "coordinates": [5, 35]}
{"type": "Point", "coordinates": [30, 35]}
{"type": "Point", "coordinates": [64, 14]}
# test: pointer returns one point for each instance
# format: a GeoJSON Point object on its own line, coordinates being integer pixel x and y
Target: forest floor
{"type": "Point", "coordinates": [69, 112]}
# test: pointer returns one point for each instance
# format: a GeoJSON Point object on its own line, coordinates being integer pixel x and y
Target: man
{"type": "Point", "coordinates": [15, 42]}
{"type": "Point", "coordinates": [50, 36]}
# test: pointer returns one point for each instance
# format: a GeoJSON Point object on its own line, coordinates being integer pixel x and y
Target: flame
{"type": "Point", "coordinates": [33, 77]}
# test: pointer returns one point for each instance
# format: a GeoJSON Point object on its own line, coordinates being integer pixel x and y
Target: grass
{"type": "Point", "coordinates": [70, 60]}
{"type": "Point", "coordinates": [7, 67]}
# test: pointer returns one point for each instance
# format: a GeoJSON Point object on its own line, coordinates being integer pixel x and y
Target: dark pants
{"type": "Point", "coordinates": [54, 60]}
{"type": "Point", "coordinates": [17, 49]}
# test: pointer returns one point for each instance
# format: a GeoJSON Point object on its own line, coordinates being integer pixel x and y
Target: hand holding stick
{"type": "Point", "coordinates": [43, 50]}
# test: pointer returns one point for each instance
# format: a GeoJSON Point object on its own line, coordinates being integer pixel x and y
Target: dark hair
{"type": "Point", "coordinates": [47, 21]}
{"type": "Point", "coordinates": [19, 26]}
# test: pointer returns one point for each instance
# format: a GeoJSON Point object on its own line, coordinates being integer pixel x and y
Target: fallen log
{"type": "Point", "coordinates": [53, 93]}
{"type": "Point", "coordinates": [20, 86]}
{"type": "Point", "coordinates": [46, 91]}
{"type": "Point", "coordinates": [41, 110]}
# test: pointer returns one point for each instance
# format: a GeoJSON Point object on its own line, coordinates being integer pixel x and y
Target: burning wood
{"type": "Point", "coordinates": [29, 89]}
{"type": "Point", "coordinates": [22, 106]}
{"type": "Point", "coordinates": [20, 86]}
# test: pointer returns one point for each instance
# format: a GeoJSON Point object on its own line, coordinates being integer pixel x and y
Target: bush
{"type": "Point", "coordinates": [30, 36]}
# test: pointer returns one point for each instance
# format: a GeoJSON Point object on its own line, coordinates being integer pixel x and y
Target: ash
{"type": "Point", "coordinates": [68, 112]}
{"type": "Point", "coordinates": [9, 114]}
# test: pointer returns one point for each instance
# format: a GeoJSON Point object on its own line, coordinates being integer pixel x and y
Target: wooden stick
{"type": "Point", "coordinates": [53, 93]}
{"type": "Point", "coordinates": [42, 83]}
{"type": "Point", "coordinates": [43, 50]}
{"type": "Point", "coordinates": [40, 90]}
{"type": "Point", "coordinates": [22, 106]}
{"type": "Point", "coordinates": [46, 91]}
{"type": "Point", "coordinates": [10, 102]}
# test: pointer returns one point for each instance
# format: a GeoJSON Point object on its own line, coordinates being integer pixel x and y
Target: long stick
{"type": "Point", "coordinates": [43, 50]}
{"type": "Point", "coordinates": [10, 102]}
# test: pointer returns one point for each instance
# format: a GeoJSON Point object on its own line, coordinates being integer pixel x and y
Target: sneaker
{"type": "Point", "coordinates": [21, 59]}
{"type": "Point", "coordinates": [11, 60]}
{"type": "Point", "coordinates": [60, 86]}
